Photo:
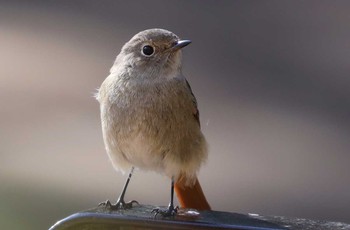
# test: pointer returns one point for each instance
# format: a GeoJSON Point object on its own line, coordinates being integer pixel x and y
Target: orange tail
{"type": "Point", "coordinates": [191, 197]}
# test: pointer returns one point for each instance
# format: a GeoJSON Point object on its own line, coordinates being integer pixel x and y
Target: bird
{"type": "Point", "coordinates": [150, 118]}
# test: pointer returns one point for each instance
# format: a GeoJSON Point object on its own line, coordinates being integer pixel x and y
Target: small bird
{"type": "Point", "coordinates": [150, 118]}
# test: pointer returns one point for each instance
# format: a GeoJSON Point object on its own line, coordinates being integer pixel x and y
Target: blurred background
{"type": "Point", "coordinates": [271, 79]}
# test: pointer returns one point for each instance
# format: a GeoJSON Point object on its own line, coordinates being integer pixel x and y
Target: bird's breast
{"type": "Point", "coordinates": [153, 127]}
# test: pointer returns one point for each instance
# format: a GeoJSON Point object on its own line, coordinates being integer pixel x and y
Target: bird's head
{"type": "Point", "coordinates": [151, 53]}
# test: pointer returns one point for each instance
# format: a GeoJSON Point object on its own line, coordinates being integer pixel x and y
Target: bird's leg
{"type": "Point", "coordinates": [171, 210]}
{"type": "Point", "coordinates": [121, 204]}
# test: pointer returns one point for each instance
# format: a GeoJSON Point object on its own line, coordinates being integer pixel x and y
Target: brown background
{"type": "Point", "coordinates": [272, 82]}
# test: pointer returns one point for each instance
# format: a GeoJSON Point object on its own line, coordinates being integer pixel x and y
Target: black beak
{"type": "Point", "coordinates": [180, 44]}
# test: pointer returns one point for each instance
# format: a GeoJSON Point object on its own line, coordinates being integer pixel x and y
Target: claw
{"type": "Point", "coordinates": [121, 204]}
{"type": "Point", "coordinates": [106, 203]}
{"type": "Point", "coordinates": [169, 212]}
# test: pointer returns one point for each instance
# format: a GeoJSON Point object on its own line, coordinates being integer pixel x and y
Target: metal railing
{"type": "Point", "coordinates": [141, 217]}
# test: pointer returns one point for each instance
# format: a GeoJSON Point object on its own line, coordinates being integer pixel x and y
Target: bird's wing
{"type": "Point", "coordinates": [195, 107]}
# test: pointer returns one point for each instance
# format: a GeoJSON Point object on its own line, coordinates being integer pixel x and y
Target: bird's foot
{"type": "Point", "coordinates": [169, 212]}
{"type": "Point", "coordinates": [121, 204]}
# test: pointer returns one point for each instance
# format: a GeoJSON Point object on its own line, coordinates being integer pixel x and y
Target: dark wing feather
{"type": "Point", "coordinates": [195, 107]}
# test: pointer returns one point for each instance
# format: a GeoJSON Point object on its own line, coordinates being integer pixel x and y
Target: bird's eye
{"type": "Point", "coordinates": [147, 50]}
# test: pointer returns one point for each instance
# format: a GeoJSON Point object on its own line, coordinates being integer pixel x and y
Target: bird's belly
{"type": "Point", "coordinates": [151, 139]}
{"type": "Point", "coordinates": [139, 137]}
{"type": "Point", "coordinates": [143, 152]}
